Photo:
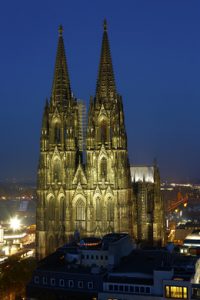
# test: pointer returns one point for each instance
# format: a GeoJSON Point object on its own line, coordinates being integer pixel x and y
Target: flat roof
{"type": "Point", "coordinates": [129, 280]}
{"type": "Point", "coordinates": [56, 262]}
{"type": "Point", "coordinates": [144, 261]}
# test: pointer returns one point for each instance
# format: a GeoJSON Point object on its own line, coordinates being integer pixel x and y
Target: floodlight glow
{"type": "Point", "coordinates": [15, 223]}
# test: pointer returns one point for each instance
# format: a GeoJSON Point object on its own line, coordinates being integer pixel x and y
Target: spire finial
{"type": "Point", "coordinates": [60, 30]}
{"type": "Point", "coordinates": [105, 25]}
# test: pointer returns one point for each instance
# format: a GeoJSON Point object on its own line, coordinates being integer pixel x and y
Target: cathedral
{"type": "Point", "coordinates": [94, 195]}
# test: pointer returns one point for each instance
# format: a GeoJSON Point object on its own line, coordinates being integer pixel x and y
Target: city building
{"type": "Point", "coordinates": [149, 205]}
{"type": "Point", "coordinates": [191, 244]}
{"type": "Point", "coordinates": [112, 268]}
{"type": "Point", "coordinates": [94, 195]}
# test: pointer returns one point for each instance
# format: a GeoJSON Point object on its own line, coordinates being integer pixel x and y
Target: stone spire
{"type": "Point", "coordinates": [45, 115]}
{"type": "Point", "coordinates": [61, 91]}
{"type": "Point", "coordinates": [105, 89]}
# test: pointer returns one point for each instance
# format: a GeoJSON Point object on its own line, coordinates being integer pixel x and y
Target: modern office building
{"type": "Point", "coordinates": [111, 268]}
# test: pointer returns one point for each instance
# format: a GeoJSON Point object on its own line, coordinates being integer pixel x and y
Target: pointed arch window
{"type": "Point", "coordinates": [103, 168]}
{"type": "Point", "coordinates": [62, 209]}
{"type": "Point", "coordinates": [103, 131]}
{"type": "Point", "coordinates": [80, 210]}
{"type": "Point", "coordinates": [57, 170]}
{"type": "Point", "coordinates": [51, 209]}
{"type": "Point", "coordinates": [57, 135]}
{"type": "Point", "coordinates": [110, 209]}
{"type": "Point", "coordinates": [98, 209]}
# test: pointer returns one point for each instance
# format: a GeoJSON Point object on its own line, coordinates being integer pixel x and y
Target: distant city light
{"type": "Point", "coordinates": [15, 223]}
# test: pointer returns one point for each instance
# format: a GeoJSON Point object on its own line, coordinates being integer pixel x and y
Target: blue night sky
{"type": "Point", "coordinates": [155, 48]}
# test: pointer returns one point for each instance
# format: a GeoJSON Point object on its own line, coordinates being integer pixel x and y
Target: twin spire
{"type": "Point", "coordinates": [61, 91]}
{"type": "Point", "coordinates": [105, 89]}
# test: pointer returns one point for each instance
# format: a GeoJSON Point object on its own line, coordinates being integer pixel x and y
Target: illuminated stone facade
{"type": "Point", "coordinates": [96, 197]}
{"type": "Point", "coordinates": [149, 205]}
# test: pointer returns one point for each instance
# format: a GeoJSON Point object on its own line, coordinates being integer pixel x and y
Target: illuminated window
{"type": "Point", "coordinates": [185, 292]}
{"type": "Point", "coordinates": [80, 210]}
{"type": "Point", "coordinates": [167, 294]}
{"type": "Point", "coordinates": [176, 292]}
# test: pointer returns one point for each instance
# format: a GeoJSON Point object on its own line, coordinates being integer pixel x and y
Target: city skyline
{"type": "Point", "coordinates": [156, 60]}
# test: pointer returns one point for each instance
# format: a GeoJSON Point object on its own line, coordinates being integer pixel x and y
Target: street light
{"type": "Point", "coordinates": [15, 223]}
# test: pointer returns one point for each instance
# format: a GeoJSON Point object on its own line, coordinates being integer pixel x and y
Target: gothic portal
{"type": "Point", "coordinates": [95, 197]}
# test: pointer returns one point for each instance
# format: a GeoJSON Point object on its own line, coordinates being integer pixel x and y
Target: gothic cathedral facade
{"type": "Point", "coordinates": [96, 197]}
